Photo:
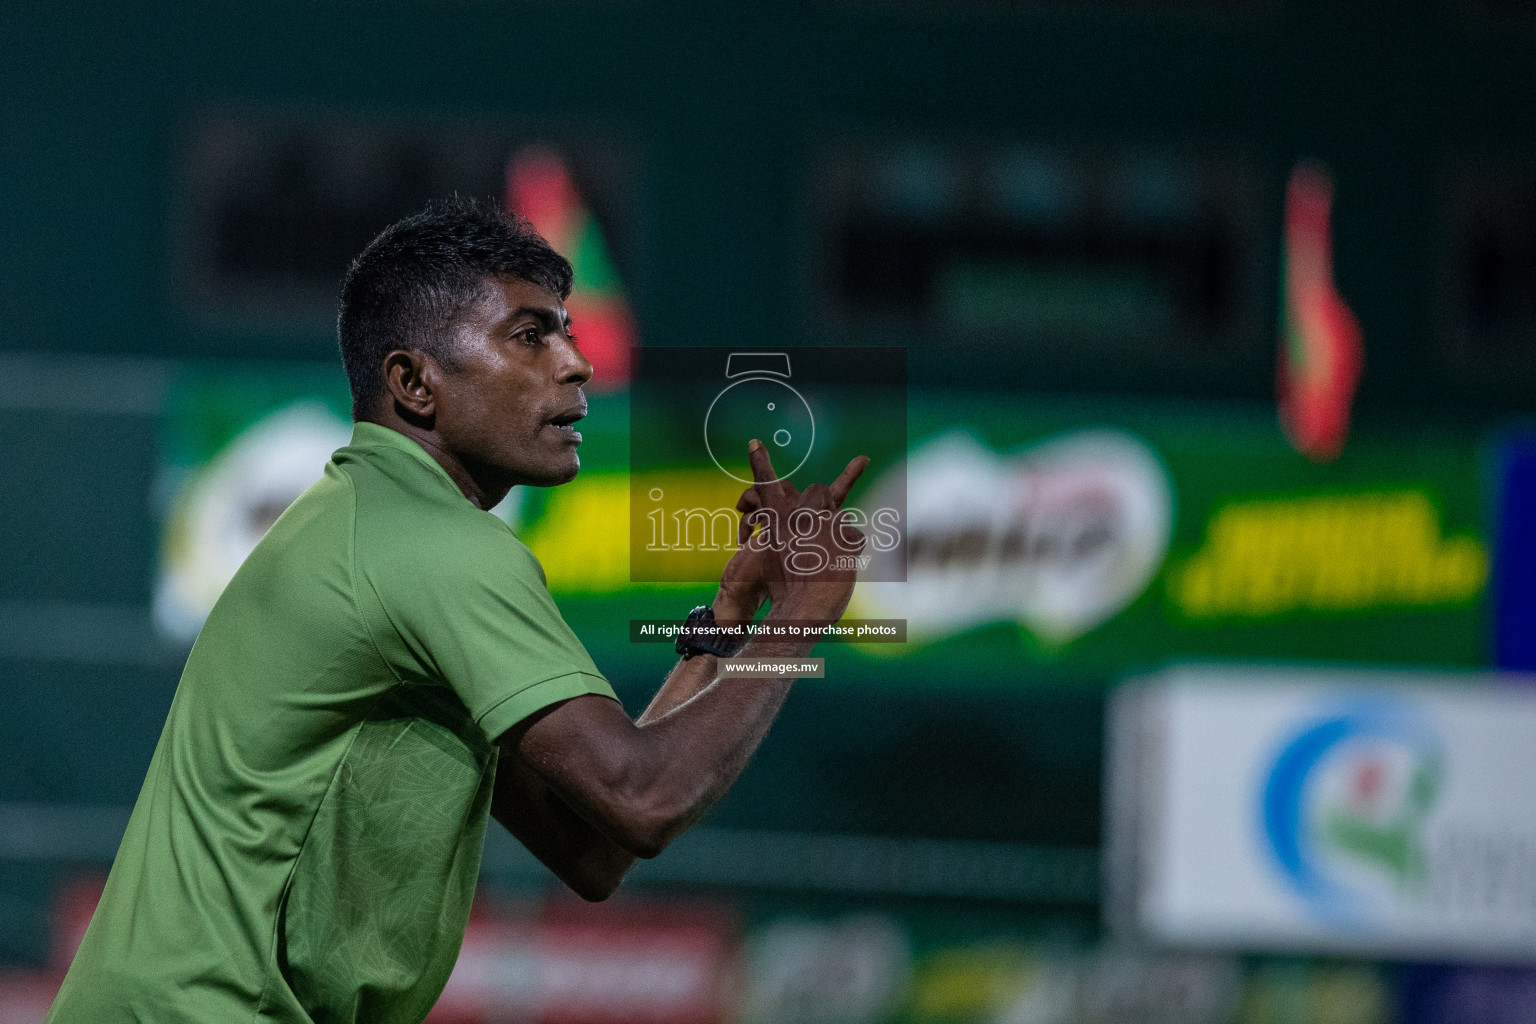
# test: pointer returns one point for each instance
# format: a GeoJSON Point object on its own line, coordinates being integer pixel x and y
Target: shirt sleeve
{"type": "Point", "coordinates": [479, 618]}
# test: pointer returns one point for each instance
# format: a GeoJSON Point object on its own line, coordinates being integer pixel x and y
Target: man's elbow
{"type": "Point", "coordinates": [595, 889]}
{"type": "Point", "coordinates": [644, 839]}
{"type": "Point", "coordinates": [645, 826]}
{"type": "Point", "coordinates": [596, 877]}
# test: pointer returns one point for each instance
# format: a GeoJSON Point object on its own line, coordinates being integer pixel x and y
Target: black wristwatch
{"type": "Point", "coordinates": [695, 640]}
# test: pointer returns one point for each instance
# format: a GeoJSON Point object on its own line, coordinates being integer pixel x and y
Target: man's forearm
{"type": "Point", "coordinates": [691, 675]}
{"type": "Point", "coordinates": [581, 856]}
{"type": "Point", "coordinates": [698, 749]}
{"type": "Point", "coordinates": [643, 783]}
{"type": "Point", "coordinates": [687, 679]}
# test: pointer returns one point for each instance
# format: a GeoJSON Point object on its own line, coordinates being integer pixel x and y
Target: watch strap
{"type": "Point", "coordinates": [698, 636]}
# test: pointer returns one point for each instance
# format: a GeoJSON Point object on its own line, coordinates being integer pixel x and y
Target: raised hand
{"type": "Point", "coordinates": [805, 548]}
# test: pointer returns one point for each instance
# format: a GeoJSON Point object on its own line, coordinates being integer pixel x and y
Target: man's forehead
{"type": "Point", "coordinates": [511, 296]}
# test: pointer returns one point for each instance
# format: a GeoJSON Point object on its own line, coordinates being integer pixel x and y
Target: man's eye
{"type": "Point", "coordinates": [532, 336]}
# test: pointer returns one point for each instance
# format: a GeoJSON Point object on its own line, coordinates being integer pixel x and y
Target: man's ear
{"type": "Point", "coordinates": [410, 374]}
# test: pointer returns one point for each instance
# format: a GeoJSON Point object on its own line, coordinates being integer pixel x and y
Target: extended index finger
{"type": "Point", "coordinates": [847, 478]}
{"type": "Point", "coordinates": [762, 465]}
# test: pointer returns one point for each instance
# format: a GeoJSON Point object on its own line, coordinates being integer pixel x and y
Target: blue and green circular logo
{"type": "Point", "coordinates": [1344, 805]}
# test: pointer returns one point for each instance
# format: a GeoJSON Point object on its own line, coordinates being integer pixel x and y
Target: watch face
{"type": "Point", "coordinates": [764, 408]}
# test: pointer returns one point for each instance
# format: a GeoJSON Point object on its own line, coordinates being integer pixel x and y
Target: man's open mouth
{"type": "Point", "coordinates": [562, 424]}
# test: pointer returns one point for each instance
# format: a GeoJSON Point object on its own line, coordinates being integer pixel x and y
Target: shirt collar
{"type": "Point", "coordinates": [366, 434]}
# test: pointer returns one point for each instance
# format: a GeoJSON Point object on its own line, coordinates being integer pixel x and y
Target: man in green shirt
{"type": "Point", "coordinates": [388, 669]}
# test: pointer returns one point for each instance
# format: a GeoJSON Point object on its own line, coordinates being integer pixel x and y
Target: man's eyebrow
{"type": "Point", "coordinates": [547, 318]}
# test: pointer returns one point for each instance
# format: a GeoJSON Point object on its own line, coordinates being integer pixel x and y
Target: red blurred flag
{"type": "Point", "coordinates": [539, 187]}
{"type": "Point", "coordinates": [1320, 342]}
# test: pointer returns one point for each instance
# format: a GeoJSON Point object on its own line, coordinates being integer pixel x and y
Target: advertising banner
{"type": "Point", "coordinates": [238, 445]}
{"type": "Point", "coordinates": [565, 964]}
{"type": "Point", "coordinates": [667, 955]}
{"type": "Point", "coordinates": [1110, 535]}
{"type": "Point", "coordinates": [1094, 538]}
{"type": "Point", "coordinates": [1369, 812]}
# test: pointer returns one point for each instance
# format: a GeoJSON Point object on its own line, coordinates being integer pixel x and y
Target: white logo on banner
{"type": "Point", "coordinates": [1059, 537]}
{"type": "Point", "coordinates": [225, 510]}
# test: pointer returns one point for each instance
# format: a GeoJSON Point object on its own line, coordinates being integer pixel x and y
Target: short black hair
{"type": "Point", "coordinates": [409, 288]}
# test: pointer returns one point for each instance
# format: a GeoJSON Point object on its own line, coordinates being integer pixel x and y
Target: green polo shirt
{"type": "Point", "coordinates": [306, 844]}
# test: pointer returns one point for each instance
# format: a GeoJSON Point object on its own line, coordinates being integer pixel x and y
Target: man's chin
{"type": "Point", "coordinates": [554, 476]}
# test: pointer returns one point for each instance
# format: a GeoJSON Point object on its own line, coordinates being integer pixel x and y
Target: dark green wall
{"type": "Point", "coordinates": [725, 108]}
{"type": "Point", "coordinates": [728, 107]}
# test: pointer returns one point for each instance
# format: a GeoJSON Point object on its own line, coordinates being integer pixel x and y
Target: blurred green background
{"type": "Point", "coordinates": [1103, 184]}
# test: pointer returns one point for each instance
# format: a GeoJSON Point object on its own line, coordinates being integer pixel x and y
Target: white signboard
{"type": "Point", "coordinates": [1373, 812]}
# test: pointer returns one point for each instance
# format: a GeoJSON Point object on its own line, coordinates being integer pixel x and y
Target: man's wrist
{"type": "Point", "coordinates": [704, 634]}
{"type": "Point", "coordinates": [729, 607]}
{"type": "Point", "coordinates": [806, 612]}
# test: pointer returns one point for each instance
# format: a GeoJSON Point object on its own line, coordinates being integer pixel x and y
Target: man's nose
{"type": "Point", "coordinates": [575, 367]}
